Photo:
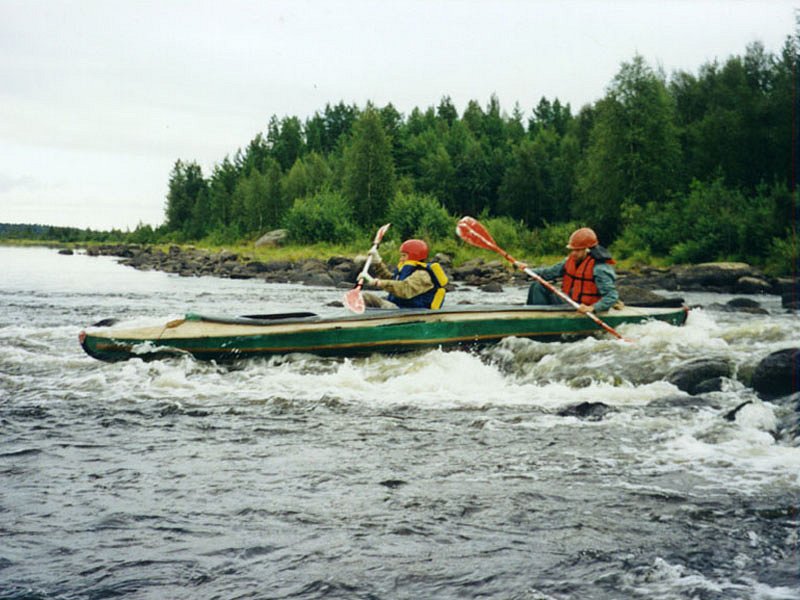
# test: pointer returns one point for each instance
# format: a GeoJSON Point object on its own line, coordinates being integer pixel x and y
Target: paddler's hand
{"type": "Point", "coordinates": [368, 279]}
{"type": "Point", "coordinates": [585, 308]}
{"type": "Point", "coordinates": [520, 265]}
{"type": "Point", "coordinates": [376, 258]}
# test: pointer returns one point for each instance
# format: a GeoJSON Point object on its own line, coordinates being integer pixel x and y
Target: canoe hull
{"type": "Point", "coordinates": [225, 339]}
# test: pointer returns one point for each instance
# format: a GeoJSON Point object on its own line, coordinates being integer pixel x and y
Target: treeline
{"type": "Point", "coordinates": [692, 167]}
{"type": "Point", "coordinates": [17, 231]}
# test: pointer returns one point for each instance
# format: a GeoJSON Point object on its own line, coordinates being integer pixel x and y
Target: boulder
{"type": "Point", "coordinates": [789, 424]}
{"type": "Point", "coordinates": [492, 287]}
{"type": "Point", "coordinates": [648, 278]}
{"type": "Point", "coordinates": [717, 276]}
{"type": "Point", "coordinates": [709, 385]}
{"type": "Point", "coordinates": [66, 251]}
{"type": "Point", "coordinates": [589, 411]}
{"type": "Point", "coordinates": [789, 289]}
{"type": "Point", "coordinates": [731, 414]}
{"type": "Point", "coordinates": [698, 376]}
{"type": "Point", "coordinates": [272, 239]}
{"type": "Point", "coordinates": [274, 266]}
{"type": "Point", "coordinates": [318, 279]}
{"type": "Point", "coordinates": [745, 305]}
{"type": "Point", "coordinates": [312, 265]}
{"type": "Point", "coordinates": [752, 285]}
{"type": "Point", "coordinates": [638, 296]}
{"type": "Point", "coordinates": [443, 259]}
{"type": "Point", "coordinates": [256, 266]}
{"type": "Point", "coordinates": [777, 374]}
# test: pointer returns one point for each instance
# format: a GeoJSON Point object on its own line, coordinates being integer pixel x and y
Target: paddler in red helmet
{"type": "Point", "coordinates": [414, 283]}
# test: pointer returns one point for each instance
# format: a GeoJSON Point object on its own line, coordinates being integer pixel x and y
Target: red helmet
{"type": "Point", "coordinates": [415, 249]}
{"type": "Point", "coordinates": [582, 238]}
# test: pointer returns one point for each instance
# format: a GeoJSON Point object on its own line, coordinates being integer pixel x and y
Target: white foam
{"type": "Point", "coordinates": [667, 580]}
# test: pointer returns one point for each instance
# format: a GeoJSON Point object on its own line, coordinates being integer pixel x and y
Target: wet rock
{"type": "Point", "coordinates": [777, 374]}
{"type": "Point", "coordinates": [319, 279]}
{"type": "Point", "coordinates": [311, 265]}
{"type": "Point", "coordinates": [443, 259]}
{"type": "Point", "coordinates": [788, 288]}
{"type": "Point", "coordinates": [648, 278]}
{"type": "Point", "coordinates": [106, 322]}
{"type": "Point", "coordinates": [492, 287]}
{"type": "Point", "coordinates": [713, 277]}
{"type": "Point", "coordinates": [709, 385]}
{"type": "Point", "coordinates": [278, 265]}
{"type": "Point", "coordinates": [680, 402]}
{"type": "Point", "coordinates": [226, 256]}
{"type": "Point", "coordinates": [256, 266]}
{"type": "Point", "coordinates": [791, 301]}
{"type": "Point", "coordinates": [789, 423]}
{"type": "Point", "coordinates": [66, 251]}
{"type": "Point", "coordinates": [343, 270]}
{"type": "Point", "coordinates": [392, 483]}
{"type": "Point", "coordinates": [589, 411]}
{"type": "Point", "coordinates": [240, 272]}
{"type": "Point", "coordinates": [731, 414]}
{"type": "Point", "coordinates": [693, 375]}
{"type": "Point", "coordinates": [744, 305]}
{"type": "Point", "coordinates": [752, 285]}
{"type": "Point", "coordinates": [633, 295]}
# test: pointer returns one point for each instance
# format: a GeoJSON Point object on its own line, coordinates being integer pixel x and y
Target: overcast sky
{"type": "Point", "coordinates": [99, 98]}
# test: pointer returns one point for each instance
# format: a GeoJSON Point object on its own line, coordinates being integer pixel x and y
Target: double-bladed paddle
{"type": "Point", "coordinates": [353, 299]}
{"type": "Point", "coordinates": [471, 231]}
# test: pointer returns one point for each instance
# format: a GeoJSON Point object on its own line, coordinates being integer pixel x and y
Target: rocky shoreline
{"type": "Point", "coordinates": [636, 287]}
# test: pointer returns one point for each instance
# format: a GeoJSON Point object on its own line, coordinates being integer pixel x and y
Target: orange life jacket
{"type": "Point", "coordinates": [578, 282]}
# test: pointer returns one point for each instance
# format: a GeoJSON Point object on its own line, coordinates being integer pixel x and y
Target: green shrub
{"type": "Point", "coordinates": [420, 216]}
{"type": "Point", "coordinates": [324, 217]}
{"type": "Point", "coordinates": [223, 236]}
{"type": "Point", "coordinates": [508, 233]}
{"type": "Point", "coordinates": [550, 240]}
{"type": "Point", "coordinates": [143, 234]}
{"type": "Point", "coordinates": [783, 258]}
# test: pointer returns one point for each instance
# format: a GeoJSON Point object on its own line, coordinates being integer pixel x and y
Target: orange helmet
{"type": "Point", "coordinates": [582, 238]}
{"type": "Point", "coordinates": [415, 249]}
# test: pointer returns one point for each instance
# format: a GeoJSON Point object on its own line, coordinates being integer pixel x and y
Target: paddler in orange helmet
{"type": "Point", "coordinates": [587, 274]}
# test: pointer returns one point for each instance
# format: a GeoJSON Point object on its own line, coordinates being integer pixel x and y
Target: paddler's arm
{"type": "Point", "coordinates": [415, 284]}
{"type": "Point", "coordinates": [381, 271]}
{"type": "Point", "coordinates": [605, 279]}
{"type": "Point", "coordinates": [550, 273]}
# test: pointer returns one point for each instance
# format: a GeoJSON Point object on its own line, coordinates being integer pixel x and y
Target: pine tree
{"type": "Point", "coordinates": [369, 177]}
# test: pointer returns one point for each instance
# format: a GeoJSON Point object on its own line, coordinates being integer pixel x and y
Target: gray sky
{"type": "Point", "coordinates": [99, 98]}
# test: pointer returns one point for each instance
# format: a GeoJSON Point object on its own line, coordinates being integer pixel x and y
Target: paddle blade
{"type": "Point", "coordinates": [354, 300]}
{"type": "Point", "coordinates": [380, 233]}
{"type": "Point", "coordinates": [471, 231]}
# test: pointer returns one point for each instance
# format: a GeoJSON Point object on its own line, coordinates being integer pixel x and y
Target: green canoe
{"type": "Point", "coordinates": [387, 331]}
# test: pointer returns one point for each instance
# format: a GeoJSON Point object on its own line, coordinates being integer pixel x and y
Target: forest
{"type": "Point", "coordinates": [682, 168]}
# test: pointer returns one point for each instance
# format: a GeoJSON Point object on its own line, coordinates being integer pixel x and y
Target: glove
{"type": "Point", "coordinates": [368, 279]}
{"type": "Point", "coordinates": [376, 258]}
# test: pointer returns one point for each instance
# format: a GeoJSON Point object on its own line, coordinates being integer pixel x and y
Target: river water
{"type": "Point", "coordinates": [428, 475]}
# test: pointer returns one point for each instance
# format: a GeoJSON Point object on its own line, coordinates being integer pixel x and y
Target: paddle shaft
{"type": "Point", "coordinates": [367, 264]}
{"type": "Point", "coordinates": [353, 299]}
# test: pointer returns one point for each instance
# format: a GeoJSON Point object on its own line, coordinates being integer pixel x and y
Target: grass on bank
{"type": "Point", "coordinates": [459, 251]}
